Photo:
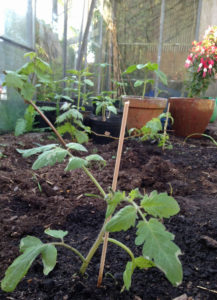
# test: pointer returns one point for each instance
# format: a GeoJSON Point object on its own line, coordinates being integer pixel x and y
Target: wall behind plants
{"type": "Point", "coordinates": [14, 107]}
{"type": "Point", "coordinates": [16, 38]}
{"type": "Point", "coordinates": [138, 31]}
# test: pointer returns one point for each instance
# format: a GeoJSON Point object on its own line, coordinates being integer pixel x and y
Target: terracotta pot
{"type": "Point", "coordinates": [191, 115]}
{"type": "Point", "coordinates": [142, 110]}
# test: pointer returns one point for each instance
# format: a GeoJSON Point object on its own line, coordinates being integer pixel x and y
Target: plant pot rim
{"type": "Point", "coordinates": [146, 102]}
{"type": "Point", "coordinates": [190, 98]}
{"type": "Point", "coordinates": [140, 98]}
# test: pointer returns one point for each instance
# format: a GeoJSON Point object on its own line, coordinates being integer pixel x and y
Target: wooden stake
{"type": "Point", "coordinates": [166, 123]}
{"type": "Point", "coordinates": [114, 186]}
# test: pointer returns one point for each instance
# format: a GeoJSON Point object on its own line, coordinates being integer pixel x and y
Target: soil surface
{"type": "Point", "coordinates": [31, 201]}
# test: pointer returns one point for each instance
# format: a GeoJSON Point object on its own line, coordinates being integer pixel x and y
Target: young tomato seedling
{"type": "Point", "coordinates": [158, 248]}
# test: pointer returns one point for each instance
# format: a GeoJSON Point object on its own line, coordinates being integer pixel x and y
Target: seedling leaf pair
{"type": "Point", "coordinates": [52, 154]}
{"type": "Point", "coordinates": [30, 247]}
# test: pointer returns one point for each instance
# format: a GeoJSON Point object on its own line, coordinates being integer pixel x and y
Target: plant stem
{"type": "Point", "coordinates": [92, 251]}
{"type": "Point", "coordinates": [79, 92]}
{"type": "Point", "coordinates": [103, 113]}
{"type": "Point", "coordinates": [70, 248]}
{"type": "Point", "coordinates": [102, 232]}
{"type": "Point", "coordinates": [94, 181]}
{"type": "Point", "coordinates": [139, 211]}
{"type": "Point", "coordinates": [64, 145]}
{"type": "Point", "coordinates": [144, 87]}
{"type": "Point", "coordinates": [118, 243]}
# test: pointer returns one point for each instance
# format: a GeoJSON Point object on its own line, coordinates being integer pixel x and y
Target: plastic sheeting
{"type": "Point", "coordinates": [17, 32]}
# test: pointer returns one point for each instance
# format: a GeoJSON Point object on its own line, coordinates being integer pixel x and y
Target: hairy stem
{"type": "Point", "coordinates": [101, 234]}
{"type": "Point", "coordinates": [94, 181]}
{"type": "Point", "coordinates": [92, 251]}
{"type": "Point", "coordinates": [70, 248]}
{"type": "Point", "coordinates": [139, 211]}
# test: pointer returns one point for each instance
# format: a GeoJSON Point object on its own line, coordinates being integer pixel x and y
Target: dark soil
{"type": "Point", "coordinates": [31, 201]}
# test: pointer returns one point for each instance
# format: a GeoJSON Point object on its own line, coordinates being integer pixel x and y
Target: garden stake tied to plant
{"type": "Point", "coordinates": [114, 185]}
{"type": "Point", "coordinates": [158, 249]}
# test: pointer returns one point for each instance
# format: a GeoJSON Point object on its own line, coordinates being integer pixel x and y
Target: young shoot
{"type": "Point", "coordinates": [147, 68]}
{"type": "Point", "coordinates": [158, 248]}
{"type": "Point", "coordinates": [153, 130]}
{"type": "Point", "coordinates": [70, 121]}
{"type": "Point", "coordinates": [104, 103]}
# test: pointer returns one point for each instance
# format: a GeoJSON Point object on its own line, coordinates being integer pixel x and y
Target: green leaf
{"type": "Point", "coordinates": [27, 90]}
{"type": "Point", "coordinates": [28, 242]}
{"type": "Point", "coordinates": [59, 234]}
{"type": "Point", "coordinates": [139, 262]}
{"type": "Point", "coordinates": [74, 72]}
{"type": "Point", "coordinates": [13, 79]}
{"type": "Point", "coordinates": [151, 81]}
{"type": "Point", "coordinates": [113, 199]}
{"type": "Point", "coordinates": [130, 69]}
{"type": "Point", "coordinates": [112, 109]}
{"type": "Point", "coordinates": [86, 73]}
{"type": "Point", "coordinates": [75, 163]}
{"type": "Point", "coordinates": [138, 83]}
{"type": "Point", "coordinates": [81, 136]}
{"type": "Point", "coordinates": [64, 97]}
{"type": "Point", "coordinates": [29, 152]}
{"type": "Point", "coordinates": [76, 146]}
{"type": "Point", "coordinates": [158, 246]}
{"type": "Point", "coordinates": [70, 114]}
{"type": "Point", "coordinates": [89, 82]}
{"type": "Point", "coordinates": [49, 258]}
{"type": "Point", "coordinates": [43, 78]}
{"type": "Point", "coordinates": [127, 275]}
{"type": "Point", "coordinates": [42, 65]}
{"type": "Point", "coordinates": [154, 124]}
{"type": "Point", "coordinates": [49, 158]}
{"type": "Point", "coordinates": [29, 117]}
{"type": "Point", "coordinates": [135, 194]}
{"type": "Point", "coordinates": [99, 107]}
{"type": "Point", "coordinates": [27, 68]}
{"type": "Point", "coordinates": [18, 269]}
{"type": "Point", "coordinates": [20, 127]}
{"type": "Point", "coordinates": [47, 108]}
{"type": "Point", "coordinates": [96, 157]}
{"type": "Point", "coordinates": [151, 66]}
{"type": "Point", "coordinates": [140, 66]}
{"type": "Point", "coordinates": [123, 219]}
{"type": "Point", "coordinates": [66, 127]}
{"type": "Point", "coordinates": [31, 55]}
{"type": "Point", "coordinates": [160, 205]}
{"type": "Point", "coordinates": [162, 77]}
{"type": "Point", "coordinates": [143, 263]}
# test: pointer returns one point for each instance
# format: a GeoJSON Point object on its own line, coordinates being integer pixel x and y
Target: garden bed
{"type": "Point", "coordinates": [31, 201]}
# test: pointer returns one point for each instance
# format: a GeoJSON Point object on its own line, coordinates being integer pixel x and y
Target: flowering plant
{"type": "Point", "coordinates": [202, 63]}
